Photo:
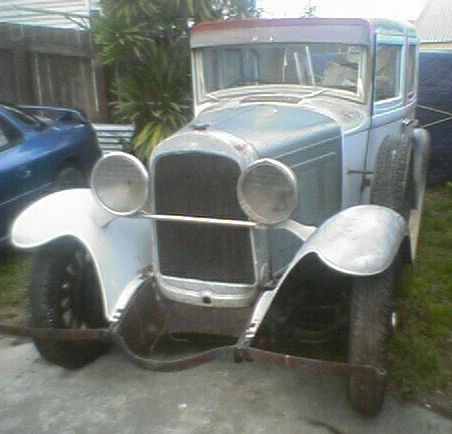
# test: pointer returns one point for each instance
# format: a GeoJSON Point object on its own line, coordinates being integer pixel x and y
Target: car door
{"type": "Point", "coordinates": [14, 175]}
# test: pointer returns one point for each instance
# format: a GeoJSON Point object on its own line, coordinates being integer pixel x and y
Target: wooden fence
{"type": "Point", "coordinates": [48, 66]}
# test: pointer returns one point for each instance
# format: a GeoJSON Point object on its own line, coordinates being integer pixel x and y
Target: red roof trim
{"type": "Point", "coordinates": [253, 23]}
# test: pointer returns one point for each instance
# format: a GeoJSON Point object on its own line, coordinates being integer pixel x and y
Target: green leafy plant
{"type": "Point", "coordinates": [154, 95]}
{"type": "Point", "coordinates": [145, 44]}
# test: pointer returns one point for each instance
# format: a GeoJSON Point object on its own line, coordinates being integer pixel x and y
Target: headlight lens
{"type": "Point", "coordinates": [268, 192]}
{"type": "Point", "coordinates": [120, 183]}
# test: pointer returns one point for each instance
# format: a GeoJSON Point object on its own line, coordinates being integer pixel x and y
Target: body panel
{"type": "Point", "coordinates": [120, 247]}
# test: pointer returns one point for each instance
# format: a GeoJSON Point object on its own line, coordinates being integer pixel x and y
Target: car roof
{"type": "Point", "coordinates": [362, 29]}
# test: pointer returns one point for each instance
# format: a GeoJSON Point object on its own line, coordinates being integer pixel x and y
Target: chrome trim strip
{"type": "Point", "coordinates": [307, 148]}
{"type": "Point", "coordinates": [203, 220]}
{"type": "Point", "coordinates": [312, 160]}
{"type": "Point", "coordinates": [193, 281]}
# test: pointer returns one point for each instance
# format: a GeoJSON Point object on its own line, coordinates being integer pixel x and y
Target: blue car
{"type": "Point", "coordinates": [42, 149]}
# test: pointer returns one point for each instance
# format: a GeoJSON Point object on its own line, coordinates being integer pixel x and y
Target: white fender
{"type": "Point", "coordinates": [359, 241]}
{"type": "Point", "coordinates": [120, 247]}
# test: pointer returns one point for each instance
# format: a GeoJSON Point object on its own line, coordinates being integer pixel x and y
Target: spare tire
{"type": "Point", "coordinates": [392, 184]}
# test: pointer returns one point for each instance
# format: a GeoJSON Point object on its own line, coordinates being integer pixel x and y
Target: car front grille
{"type": "Point", "coordinates": [201, 185]}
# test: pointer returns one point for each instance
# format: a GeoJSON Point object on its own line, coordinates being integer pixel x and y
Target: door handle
{"type": "Point", "coordinates": [407, 122]}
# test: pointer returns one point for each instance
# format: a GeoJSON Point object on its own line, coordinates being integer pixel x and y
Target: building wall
{"type": "Point", "coordinates": [10, 13]}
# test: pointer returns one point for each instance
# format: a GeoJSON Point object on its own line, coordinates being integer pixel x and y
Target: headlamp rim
{"type": "Point", "coordinates": [292, 181]}
{"type": "Point", "coordinates": [137, 164]}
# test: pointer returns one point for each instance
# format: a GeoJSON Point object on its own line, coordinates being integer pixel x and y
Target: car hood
{"type": "Point", "coordinates": [274, 129]}
{"type": "Point", "coordinates": [303, 138]}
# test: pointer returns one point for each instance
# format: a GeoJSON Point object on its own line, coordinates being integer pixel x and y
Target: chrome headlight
{"type": "Point", "coordinates": [120, 183]}
{"type": "Point", "coordinates": [267, 191]}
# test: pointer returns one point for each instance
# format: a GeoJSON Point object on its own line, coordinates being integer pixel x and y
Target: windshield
{"type": "Point", "coordinates": [330, 66]}
{"type": "Point", "coordinates": [22, 116]}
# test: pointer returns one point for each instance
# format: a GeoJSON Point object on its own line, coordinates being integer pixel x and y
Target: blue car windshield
{"type": "Point", "coordinates": [22, 116]}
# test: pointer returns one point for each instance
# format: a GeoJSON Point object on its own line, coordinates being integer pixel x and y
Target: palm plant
{"type": "Point", "coordinates": [146, 43]}
{"type": "Point", "coordinates": [154, 95]}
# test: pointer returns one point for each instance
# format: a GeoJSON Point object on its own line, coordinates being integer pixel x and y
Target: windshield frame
{"type": "Point", "coordinates": [202, 96]}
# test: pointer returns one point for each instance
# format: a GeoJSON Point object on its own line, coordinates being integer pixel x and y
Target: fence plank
{"type": "Point", "coordinates": [52, 67]}
{"type": "Point", "coordinates": [7, 79]}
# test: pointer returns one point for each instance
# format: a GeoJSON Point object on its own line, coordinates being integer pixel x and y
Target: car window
{"type": "Point", "coordinates": [387, 72]}
{"type": "Point", "coordinates": [411, 71]}
{"type": "Point", "coordinates": [9, 135]}
{"type": "Point", "coordinates": [22, 116]}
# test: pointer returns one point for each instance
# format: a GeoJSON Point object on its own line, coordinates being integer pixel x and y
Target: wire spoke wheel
{"type": "Point", "coordinates": [65, 293]}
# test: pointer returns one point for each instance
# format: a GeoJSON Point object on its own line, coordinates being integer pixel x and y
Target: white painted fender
{"type": "Point", "coordinates": [120, 246]}
{"type": "Point", "coordinates": [359, 241]}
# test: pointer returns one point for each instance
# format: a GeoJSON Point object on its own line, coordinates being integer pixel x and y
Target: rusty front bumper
{"type": "Point", "coordinates": [232, 352]}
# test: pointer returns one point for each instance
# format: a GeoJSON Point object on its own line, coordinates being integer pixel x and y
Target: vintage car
{"type": "Point", "coordinates": [281, 214]}
{"type": "Point", "coordinates": [42, 149]}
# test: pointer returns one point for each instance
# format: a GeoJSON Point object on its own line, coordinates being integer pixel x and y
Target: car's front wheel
{"type": "Point", "coordinates": [370, 328]}
{"type": "Point", "coordinates": [65, 293]}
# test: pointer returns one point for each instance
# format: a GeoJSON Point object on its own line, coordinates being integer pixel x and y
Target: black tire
{"type": "Point", "coordinates": [370, 329]}
{"type": "Point", "coordinates": [392, 180]}
{"type": "Point", "coordinates": [69, 177]}
{"type": "Point", "coordinates": [64, 293]}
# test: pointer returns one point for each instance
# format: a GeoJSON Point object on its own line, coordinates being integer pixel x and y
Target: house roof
{"type": "Point", "coordinates": [49, 13]}
{"type": "Point", "coordinates": [434, 22]}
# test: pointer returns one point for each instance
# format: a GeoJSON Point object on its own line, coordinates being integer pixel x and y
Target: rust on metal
{"type": "Point", "coordinates": [316, 365]}
{"type": "Point", "coordinates": [233, 352]}
{"type": "Point", "coordinates": [180, 364]}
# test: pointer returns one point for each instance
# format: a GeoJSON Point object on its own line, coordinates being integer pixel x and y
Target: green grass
{"type": "Point", "coordinates": [420, 357]}
{"type": "Point", "coordinates": [15, 269]}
